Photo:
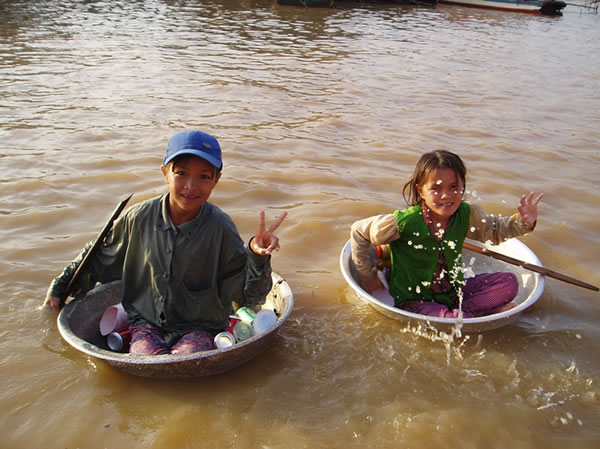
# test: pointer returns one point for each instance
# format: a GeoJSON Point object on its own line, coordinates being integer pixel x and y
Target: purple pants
{"type": "Point", "coordinates": [148, 340]}
{"type": "Point", "coordinates": [483, 294]}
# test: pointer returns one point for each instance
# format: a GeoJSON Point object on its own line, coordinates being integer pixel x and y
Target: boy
{"type": "Point", "coordinates": [181, 258]}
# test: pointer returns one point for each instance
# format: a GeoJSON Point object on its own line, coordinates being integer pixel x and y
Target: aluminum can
{"type": "Point", "coordinates": [119, 341]}
{"type": "Point", "coordinates": [224, 340]}
{"type": "Point", "coordinates": [233, 320]}
{"type": "Point", "coordinates": [246, 314]}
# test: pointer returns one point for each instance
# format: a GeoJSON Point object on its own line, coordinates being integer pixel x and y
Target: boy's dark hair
{"type": "Point", "coordinates": [426, 164]}
{"type": "Point", "coordinates": [214, 170]}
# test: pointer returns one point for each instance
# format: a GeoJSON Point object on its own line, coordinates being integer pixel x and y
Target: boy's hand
{"type": "Point", "coordinates": [528, 208]}
{"type": "Point", "coordinates": [52, 302]}
{"type": "Point", "coordinates": [265, 242]}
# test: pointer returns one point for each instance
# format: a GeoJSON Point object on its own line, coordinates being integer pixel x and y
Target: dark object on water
{"type": "Point", "coordinates": [552, 8]}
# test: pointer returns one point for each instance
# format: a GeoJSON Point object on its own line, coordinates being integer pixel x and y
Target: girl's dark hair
{"type": "Point", "coordinates": [427, 163]}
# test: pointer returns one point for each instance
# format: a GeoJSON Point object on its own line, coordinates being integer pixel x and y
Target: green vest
{"type": "Point", "coordinates": [416, 252]}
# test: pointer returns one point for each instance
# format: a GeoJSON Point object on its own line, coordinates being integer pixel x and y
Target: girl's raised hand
{"type": "Point", "coordinates": [265, 242]}
{"type": "Point", "coordinates": [528, 208]}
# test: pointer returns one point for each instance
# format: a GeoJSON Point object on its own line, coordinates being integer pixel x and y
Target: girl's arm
{"type": "Point", "coordinates": [486, 227]}
{"type": "Point", "coordinates": [376, 230]}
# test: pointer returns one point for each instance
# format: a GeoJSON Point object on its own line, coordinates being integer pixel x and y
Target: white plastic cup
{"type": "Point", "coordinates": [114, 319]}
{"type": "Point", "coordinates": [264, 321]}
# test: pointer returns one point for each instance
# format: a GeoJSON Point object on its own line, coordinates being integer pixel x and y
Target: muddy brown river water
{"type": "Point", "coordinates": [323, 113]}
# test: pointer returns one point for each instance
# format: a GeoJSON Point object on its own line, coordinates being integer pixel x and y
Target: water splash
{"type": "Point", "coordinates": [452, 341]}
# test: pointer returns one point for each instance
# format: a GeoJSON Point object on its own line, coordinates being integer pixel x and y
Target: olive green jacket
{"type": "Point", "coordinates": [178, 279]}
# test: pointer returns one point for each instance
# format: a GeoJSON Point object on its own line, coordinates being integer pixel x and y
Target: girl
{"type": "Point", "coordinates": [426, 243]}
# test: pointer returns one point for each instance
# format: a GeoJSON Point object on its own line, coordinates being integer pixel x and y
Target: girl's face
{"type": "Point", "coordinates": [191, 181]}
{"type": "Point", "coordinates": [442, 193]}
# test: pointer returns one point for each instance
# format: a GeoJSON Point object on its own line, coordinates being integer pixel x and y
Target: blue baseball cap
{"type": "Point", "coordinates": [196, 143]}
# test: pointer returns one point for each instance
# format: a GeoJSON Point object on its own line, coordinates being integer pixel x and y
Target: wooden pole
{"type": "Point", "coordinates": [93, 249]}
{"type": "Point", "coordinates": [528, 266]}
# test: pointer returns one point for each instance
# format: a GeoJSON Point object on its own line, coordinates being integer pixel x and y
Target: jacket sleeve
{"type": "Point", "coordinates": [258, 278]}
{"type": "Point", "coordinates": [377, 230]}
{"type": "Point", "coordinates": [104, 266]}
{"type": "Point", "coordinates": [244, 277]}
{"type": "Point", "coordinates": [486, 227]}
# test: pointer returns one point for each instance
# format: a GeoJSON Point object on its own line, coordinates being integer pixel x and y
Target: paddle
{"type": "Point", "coordinates": [528, 266]}
{"type": "Point", "coordinates": [95, 245]}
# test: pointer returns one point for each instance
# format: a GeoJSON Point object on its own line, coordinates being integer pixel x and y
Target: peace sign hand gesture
{"type": "Point", "coordinates": [265, 242]}
{"type": "Point", "coordinates": [528, 208]}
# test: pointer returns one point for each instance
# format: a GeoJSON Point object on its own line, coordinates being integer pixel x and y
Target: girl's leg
{"type": "Point", "coordinates": [194, 342]}
{"type": "Point", "coordinates": [146, 340]}
{"type": "Point", "coordinates": [489, 293]}
{"type": "Point", "coordinates": [431, 308]}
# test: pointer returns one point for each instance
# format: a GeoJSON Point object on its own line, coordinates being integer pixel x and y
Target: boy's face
{"type": "Point", "coordinates": [191, 180]}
